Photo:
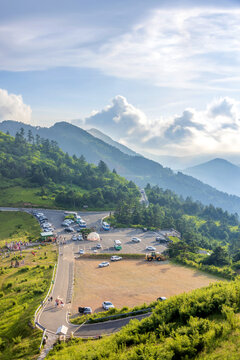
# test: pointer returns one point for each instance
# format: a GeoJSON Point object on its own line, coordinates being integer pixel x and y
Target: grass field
{"type": "Point", "coordinates": [21, 291]}
{"type": "Point", "coordinates": [16, 226]}
{"type": "Point", "coordinates": [20, 196]}
{"type": "Point", "coordinates": [132, 282]}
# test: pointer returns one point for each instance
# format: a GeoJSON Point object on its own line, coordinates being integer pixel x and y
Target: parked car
{"type": "Point", "coordinates": [80, 238]}
{"type": "Point", "coordinates": [81, 252]}
{"type": "Point", "coordinates": [116, 258]}
{"type": "Point", "coordinates": [74, 238]}
{"type": "Point", "coordinates": [69, 229]}
{"type": "Point", "coordinates": [107, 305]}
{"type": "Point", "coordinates": [117, 242]}
{"type": "Point", "coordinates": [150, 248]}
{"type": "Point", "coordinates": [136, 240]}
{"type": "Point", "coordinates": [99, 246]}
{"type": "Point", "coordinates": [85, 310]}
{"type": "Point", "coordinates": [104, 264]}
{"type": "Point", "coordinates": [161, 298]}
{"type": "Point", "coordinates": [65, 223]}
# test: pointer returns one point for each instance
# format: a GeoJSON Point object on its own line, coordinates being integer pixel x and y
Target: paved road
{"type": "Point", "coordinates": [52, 317]}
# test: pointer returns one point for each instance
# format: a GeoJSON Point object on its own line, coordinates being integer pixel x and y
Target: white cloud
{"type": "Point", "coordinates": [120, 119]}
{"type": "Point", "coordinates": [212, 130]}
{"type": "Point", "coordinates": [12, 107]}
{"type": "Point", "coordinates": [192, 48]}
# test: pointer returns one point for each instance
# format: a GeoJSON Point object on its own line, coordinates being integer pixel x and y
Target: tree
{"type": "Point", "coordinates": [102, 167]}
{"type": "Point", "coordinates": [30, 137]}
{"type": "Point", "coordinates": [219, 257]}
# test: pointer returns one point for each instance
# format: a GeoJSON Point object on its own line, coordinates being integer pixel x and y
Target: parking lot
{"type": "Point", "coordinates": [93, 219]}
{"type": "Point", "coordinates": [124, 235]}
{"type": "Point", "coordinates": [132, 282]}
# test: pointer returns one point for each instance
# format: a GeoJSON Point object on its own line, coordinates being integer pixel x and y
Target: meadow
{"type": "Point", "coordinates": [24, 281]}
{"type": "Point", "coordinates": [18, 226]}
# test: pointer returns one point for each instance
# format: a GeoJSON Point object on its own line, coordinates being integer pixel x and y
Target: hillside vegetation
{"type": "Point", "coordinates": [35, 172]}
{"type": "Point", "coordinates": [139, 169]}
{"type": "Point", "coordinates": [21, 290]}
{"type": "Point", "coordinates": [18, 226]}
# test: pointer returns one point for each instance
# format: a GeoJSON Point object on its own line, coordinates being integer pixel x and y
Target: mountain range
{"type": "Point", "coordinates": [219, 173]}
{"type": "Point", "coordinates": [139, 169]}
{"type": "Point", "coordinates": [99, 135]}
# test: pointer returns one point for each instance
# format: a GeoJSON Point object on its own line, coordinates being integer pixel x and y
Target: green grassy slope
{"type": "Point", "coordinates": [18, 226]}
{"type": "Point", "coordinates": [21, 291]}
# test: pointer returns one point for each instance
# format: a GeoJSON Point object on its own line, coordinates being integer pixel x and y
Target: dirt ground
{"type": "Point", "coordinates": [132, 282]}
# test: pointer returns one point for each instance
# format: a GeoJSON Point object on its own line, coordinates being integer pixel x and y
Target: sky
{"type": "Point", "coordinates": [162, 77]}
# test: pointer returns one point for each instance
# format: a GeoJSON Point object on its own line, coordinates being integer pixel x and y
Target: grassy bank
{"type": "Point", "coordinates": [18, 226]}
{"type": "Point", "coordinates": [21, 291]}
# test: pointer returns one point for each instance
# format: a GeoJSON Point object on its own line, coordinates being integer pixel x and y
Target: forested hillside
{"type": "Point", "coordinates": [34, 171]}
{"type": "Point", "coordinates": [76, 141]}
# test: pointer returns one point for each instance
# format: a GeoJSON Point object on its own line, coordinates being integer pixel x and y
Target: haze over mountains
{"type": "Point", "coordinates": [218, 173]}
{"type": "Point", "coordinates": [75, 140]}
{"type": "Point", "coordinates": [108, 140]}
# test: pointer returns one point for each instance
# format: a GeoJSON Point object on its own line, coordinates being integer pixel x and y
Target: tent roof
{"type": "Point", "coordinates": [93, 236]}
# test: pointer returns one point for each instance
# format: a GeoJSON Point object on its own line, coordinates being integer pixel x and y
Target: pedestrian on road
{"type": "Point", "coordinates": [51, 298]}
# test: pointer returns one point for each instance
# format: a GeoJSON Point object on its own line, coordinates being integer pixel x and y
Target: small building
{"type": "Point", "coordinates": [62, 330]}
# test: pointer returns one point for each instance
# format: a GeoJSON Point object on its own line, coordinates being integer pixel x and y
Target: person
{"type": "Point", "coordinates": [51, 298]}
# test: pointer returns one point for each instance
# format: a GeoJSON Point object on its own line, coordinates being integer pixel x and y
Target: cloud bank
{"type": "Point", "coordinates": [213, 129]}
{"type": "Point", "coordinates": [193, 48]}
{"type": "Point", "coordinates": [12, 107]}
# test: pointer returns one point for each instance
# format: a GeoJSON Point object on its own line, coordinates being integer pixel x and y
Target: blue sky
{"type": "Point", "coordinates": [64, 60]}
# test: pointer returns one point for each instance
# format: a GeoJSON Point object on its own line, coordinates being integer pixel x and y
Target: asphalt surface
{"type": "Point", "coordinates": [51, 316]}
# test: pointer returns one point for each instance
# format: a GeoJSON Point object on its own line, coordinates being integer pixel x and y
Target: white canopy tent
{"type": "Point", "coordinates": [93, 236]}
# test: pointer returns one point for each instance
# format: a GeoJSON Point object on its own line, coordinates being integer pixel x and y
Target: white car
{"type": "Point", "coordinates": [136, 240]}
{"type": "Point", "coordinates": [107, 305]}
{"type": "Point", "coordinates": [80, 238]}
{"type": "Point", "coordinates": [74, 238]}
{"type": "Point", "coordinates": [117, 242]}
{"type": "Point", "coordinates": [116, 258]}
{"type": "Point", "coordinates": [65, 223]}
{"type": "Point", "coordinates": [81, 252]}
{"type": "Point", "coordinates": [150, 248]}
{"type": "Point", "coordinates": [99, 246]}
{"type": "Point", "coordinates": [104, 264]}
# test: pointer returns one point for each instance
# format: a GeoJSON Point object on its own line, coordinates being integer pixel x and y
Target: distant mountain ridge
{"type": "Point", "coordinates": [108, 140]}
{"type": "Point", "coordinates": [219, 173]}
{"type": "Point", "coordinates": [75, 140]}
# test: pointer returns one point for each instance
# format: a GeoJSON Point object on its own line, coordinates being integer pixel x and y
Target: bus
{"type": "Point", "coordinates": [82, 224]}
{"type": "Point", "coordinates": [78, 219]}
{"type": "Point", "coordinates": [105, 226]}
{"type": "Point", "coordinates": [70, 213]}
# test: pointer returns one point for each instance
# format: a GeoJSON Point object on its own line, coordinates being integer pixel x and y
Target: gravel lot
{"type": "Point", "coordinates": [132, 282]}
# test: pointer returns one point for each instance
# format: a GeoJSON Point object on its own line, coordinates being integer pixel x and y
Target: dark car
{"type": "Point", "coordinates": [85, 310]}
{"type": "Point", "coordinates": [69, 229]}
